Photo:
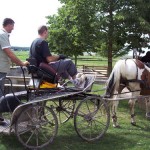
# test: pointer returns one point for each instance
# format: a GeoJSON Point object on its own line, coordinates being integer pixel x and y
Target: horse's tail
{"type": "Point", "coordinates": [109, 85]}
{"type": "Point", "coordinates": [113, 80]}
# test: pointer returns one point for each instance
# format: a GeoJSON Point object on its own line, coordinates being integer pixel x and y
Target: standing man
{"type": "Point", "coordinates": [64, 67]}
{"type": "Point", "coordinates": [6, 55]}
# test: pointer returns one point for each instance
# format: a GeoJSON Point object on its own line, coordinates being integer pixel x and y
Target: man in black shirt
{"type": "Point", "coordinates": [64, 67]}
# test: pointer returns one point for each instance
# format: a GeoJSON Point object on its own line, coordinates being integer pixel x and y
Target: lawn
{"type": "Point", "coordinates": [127, 137]}
{"type": "Point", "coordinates": [82, 60]}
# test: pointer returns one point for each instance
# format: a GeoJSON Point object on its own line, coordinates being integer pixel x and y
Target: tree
{"type": "Point", "coordinates": [109, 27]}
{"type": "Point", "coordinates": [72, 31]}
{"type": "Point", "coordinates": [122, 27]}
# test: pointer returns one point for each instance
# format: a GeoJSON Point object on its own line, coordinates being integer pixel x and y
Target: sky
{"type": "Point", "coordinates": [28, 16]}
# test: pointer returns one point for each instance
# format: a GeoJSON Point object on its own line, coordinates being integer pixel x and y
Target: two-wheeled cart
{"type": "Point", "coordinates": [37, 112]}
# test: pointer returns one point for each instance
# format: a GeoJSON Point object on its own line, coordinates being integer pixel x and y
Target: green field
{"type": "Point", "coordinates": [82, 60]}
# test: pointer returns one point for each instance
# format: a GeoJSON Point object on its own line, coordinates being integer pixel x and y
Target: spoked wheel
{"type": "Point", "coordinates": [92, 118]}
{"type": "Point", "coordinates": [36, 126]}
{"type": "Point", "coordinates": [64, 109]}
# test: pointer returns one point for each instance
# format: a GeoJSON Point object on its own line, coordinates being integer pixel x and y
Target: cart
{"type": "Point", "coordinates": [47, 102]}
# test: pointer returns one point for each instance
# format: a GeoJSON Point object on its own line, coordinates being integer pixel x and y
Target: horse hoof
{"type": "Point", "coordinates": [116, 126]}
{"type": "Point", "coordinates": [133, 123]}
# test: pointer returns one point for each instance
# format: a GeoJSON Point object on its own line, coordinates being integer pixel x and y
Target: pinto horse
{"type": "Point", "coordinates": [132, 74]}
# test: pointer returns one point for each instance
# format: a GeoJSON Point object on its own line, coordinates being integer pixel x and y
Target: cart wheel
{"type": "Point", "coordinates": [92, 118]}
{"type": "Point", "coordinates": [36, 126]}
{"type": "Point", "coordinates": [64, 109]}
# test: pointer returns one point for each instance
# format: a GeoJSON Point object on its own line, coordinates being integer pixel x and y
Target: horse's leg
{"type": "Point", "coordinates": [114, 113]}
{"type": "Point", "coordinates": [147, 101]}
{"type": "Point", "coordinates": [132, 113]}
{"type": "Point", "coordinates": [115, 107]}
{"type": "Point", "coordinates": [132, 102]}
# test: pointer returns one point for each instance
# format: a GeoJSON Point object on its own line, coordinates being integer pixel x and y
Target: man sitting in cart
{"type": "Point", "coordinates": [40, 51]}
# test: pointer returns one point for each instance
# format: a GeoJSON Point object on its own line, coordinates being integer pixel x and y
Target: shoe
{"type": "Point", "coordinates": [4, 123]}
{"type": "Point", "coordinates": [79, 75]}
{"type": "Point", "coordinates": [89, 80]}
{"type": "Point", "coordinates": [1, 119]}
{"type": "Point", "coordinates": [80, 82]}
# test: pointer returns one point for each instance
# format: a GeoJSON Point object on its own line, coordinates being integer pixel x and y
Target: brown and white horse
{"type": "Point", "coordinates": [129, 73]}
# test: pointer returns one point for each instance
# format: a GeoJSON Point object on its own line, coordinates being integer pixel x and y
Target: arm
{"type": "Point", "coordinates": [52, 58]}
{"type": "Point", "coordinates": [55, 58]}
{"type": "Point", "coordinates": [5, 45]}
{"type": "Point", "coordinates": [14, 58]}
{"type": "Point", "coordinates": [47, 55]}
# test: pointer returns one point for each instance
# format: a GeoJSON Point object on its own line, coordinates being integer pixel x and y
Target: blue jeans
{"type": "Point", "coordinates": [2, 82]}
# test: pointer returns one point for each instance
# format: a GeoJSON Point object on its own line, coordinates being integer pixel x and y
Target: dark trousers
{"type": "Point", "coordinates": [64, 67]}
{"type": "Point", "coordinates": [2, 81]}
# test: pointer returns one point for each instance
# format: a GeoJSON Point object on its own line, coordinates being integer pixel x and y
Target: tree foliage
{"type": "Point", "coordinates": [109, 27]}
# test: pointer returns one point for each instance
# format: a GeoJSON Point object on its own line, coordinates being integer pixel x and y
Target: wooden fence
{"type": "Point", "coordinates": [17, 79]}
{"type": "Point", "coordinates": [100, 70]}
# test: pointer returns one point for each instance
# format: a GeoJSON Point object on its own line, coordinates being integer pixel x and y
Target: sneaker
{"type": "Point", "coordinates": [88, 82]}
{"type": "Point", "coordinates": [4, 123]}
{"type": "Point", "coordinates": [79, 75]}
{"type": "Point", "coordinates": [80, 82]}
{"type": "Point", "coordinates": [1, 119]}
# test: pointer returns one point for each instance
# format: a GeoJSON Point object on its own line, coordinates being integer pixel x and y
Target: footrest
{"type": "Point", "coordinates": [89, 82]}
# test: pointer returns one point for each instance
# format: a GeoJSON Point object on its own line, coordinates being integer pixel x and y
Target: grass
{"type": "Point", "coordinates": [89, 61]}
{"type": "Point", "coordinates": [127, 137]}
{"type": "Point", "coordinates": [23, 55]}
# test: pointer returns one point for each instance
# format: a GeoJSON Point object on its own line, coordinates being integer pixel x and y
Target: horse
{"type": "Point", "coordinates": [132, 74]}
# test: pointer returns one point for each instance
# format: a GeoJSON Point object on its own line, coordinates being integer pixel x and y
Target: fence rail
{"type": "Point", "coordinates": [100, 70]}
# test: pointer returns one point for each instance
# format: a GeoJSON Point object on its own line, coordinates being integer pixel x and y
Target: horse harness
{"type": "Point", "coordinates": [145, 77]}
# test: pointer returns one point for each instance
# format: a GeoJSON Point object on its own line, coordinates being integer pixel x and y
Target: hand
{"type": "Point", "coordinates": [26, 63]}
{"type": "Point", "coordinates": [61, 56]}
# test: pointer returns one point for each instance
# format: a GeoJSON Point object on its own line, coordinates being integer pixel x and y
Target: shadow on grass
{"type": "Point", "coordinates": [108, 142]}
{"type": "Point", "coordinates": [126, 137]}
{"type": "Point", "coordinates": [8, 142]}
{"type": "Point", "coordinates": [116, 139]}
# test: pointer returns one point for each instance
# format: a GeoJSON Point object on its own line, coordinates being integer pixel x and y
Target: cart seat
{"type": "Point", "coordinates": [43, 71]}
{"type": "Point", "coordinates": [49, 70]}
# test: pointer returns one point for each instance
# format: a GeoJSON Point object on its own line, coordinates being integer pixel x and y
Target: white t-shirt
{"type": "Point", "coordinates": [4, 59]}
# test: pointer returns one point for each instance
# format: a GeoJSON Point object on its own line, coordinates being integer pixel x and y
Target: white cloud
{"type": "Point", "coordinates": [28, 15]}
